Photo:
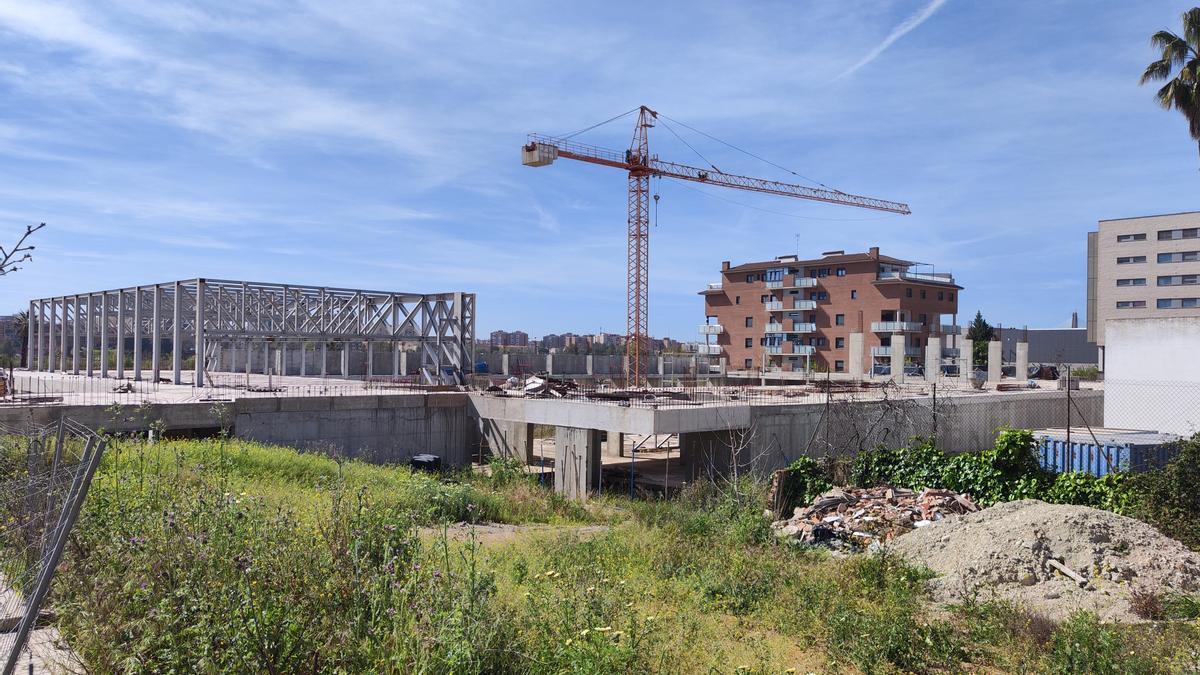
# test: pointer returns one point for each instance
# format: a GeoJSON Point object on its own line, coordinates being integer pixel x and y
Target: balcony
{"type": "Point", "coordinates": [790, 349]}
{"type": "Point", "coordinates": [792, 281]}
{"type": "Point", "coordinates": [951, 352]}
{"type": "Point", "coordinates": [711, 329]}
{"type": "Point", "coordinates": [773, 284]}
{"type": "Point", "coordinates": [896, 326]}
{"type": "Point", "coordinates": [887, 351]}
{"type": "Point", "coordinates": [802, 327]}
{"type": "Point", "coordinates": [709, 350]}
{"type": "Point", "coordinates": [781, 306]}
{"type": "Point", "coordinates": [712, 288]}
{"type": "Point", "coordinates": [774, 328]}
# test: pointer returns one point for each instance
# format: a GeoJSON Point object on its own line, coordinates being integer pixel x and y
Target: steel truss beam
{"type": "Point", "coordinates": [441, 325]}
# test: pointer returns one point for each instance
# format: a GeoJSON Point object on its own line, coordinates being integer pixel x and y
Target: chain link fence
{"type": "Point", "coordinates": [45, 472]}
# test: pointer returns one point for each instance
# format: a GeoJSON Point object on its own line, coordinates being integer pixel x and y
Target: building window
{"type": "Point", "coordinates": [1131, 259]}
{"type": "Point", "coordinates": [1186, 233]}
{"type": "Point", "coordinates": [841, 271]}
{"type": "Point", "coordinates": [1133, 237]}
{"type": "Point", "coordinates": [822, 295]}
{"type": "Point", "coordinates": [1182, 256]}
{"type": "Point", "coordinates": [749, 343]}
{"type": "Point", "coordinates": [737, 299]}
{"type": "Point", "coordinates": [908, 292]}
{"type": "Point", "coordinates": [839, 320]}
{"type": "Point", "coordinates": [951, 296]}
{"type": "Point", "coordinates": [749, 278]}
{"type": "Point", "coordinates": [941, 295]}
{"type": "Point", "coordinates": [840, 343]}
{"type": "Point", "coordinates": [1179, 280]}
{"type": "Point", "coordinates": [922, 293]}
{"type": "Point", "coordinates": [749, 322]}
{"type": "Point", "coordinates": [749, 364]}
{"type": "Point", "coordinates": [764, 299]}
{"type": "Point", "coordinates": [1130, 304]}
{"type": "Point", "coordinates": [839, 366]}
{"type": "Point", "coordinates": [924, 319]}
{"type": "Point", "coordinates": [853, 295]}
{"type": "Point", "coordinates": [1178, 303]}
{"type": "Point", "coordinates": [812, 318]}
{"type": "Point", "coordinates": [1135, 282]}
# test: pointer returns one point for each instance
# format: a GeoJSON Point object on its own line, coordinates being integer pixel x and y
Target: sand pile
{"type": "Point", "coordinates": [1052, 559]}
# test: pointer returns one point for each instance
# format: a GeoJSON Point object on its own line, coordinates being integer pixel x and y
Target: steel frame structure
{"type": "Point", "coordinates": [65, 331]}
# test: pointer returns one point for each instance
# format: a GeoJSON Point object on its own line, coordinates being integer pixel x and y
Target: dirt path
{"type": "Point", "coordinates": [498, 533]}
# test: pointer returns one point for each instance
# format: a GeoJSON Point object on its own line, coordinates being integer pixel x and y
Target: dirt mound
{"type": "Point", "coordinates": [1052, 559]}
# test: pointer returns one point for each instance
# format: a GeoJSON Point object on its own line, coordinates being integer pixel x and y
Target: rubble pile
{"type": "Point", "coordinates": [863, 518]}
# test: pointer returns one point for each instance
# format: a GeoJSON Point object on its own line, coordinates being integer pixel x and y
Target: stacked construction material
{"type": "Point", "coordinates": [857, 518]}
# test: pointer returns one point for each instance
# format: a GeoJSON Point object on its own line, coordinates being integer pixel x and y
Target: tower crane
{"type": "Point", "coordinates": [543, 150]}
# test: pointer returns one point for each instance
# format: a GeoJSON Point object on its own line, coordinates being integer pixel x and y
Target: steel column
{"type": "Point", "coordinates": [137, 334]}
{"type": "Point", "coordinates": [199, 337]}
{"type": "Point", "coordinates": [91, 333]}
{"type": "Point", "coordinates": [177, 334]}
{"type": "Point", "coordinates": [75, 335]}
{"type": "Point", "coordinates": [120, 334]}
{"type": "Point", "coordinates": [156, 334]}
{"type": "Point", "coordinates": [50, 335]}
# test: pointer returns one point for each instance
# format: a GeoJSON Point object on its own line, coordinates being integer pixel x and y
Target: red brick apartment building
{"type": "Point", "coordinates": [790, 314]}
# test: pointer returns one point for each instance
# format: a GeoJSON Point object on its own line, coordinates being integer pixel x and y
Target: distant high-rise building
{"type": "Point", "coordinates": [516, 338]}
{"type": "Point", "coordinates": [1142, 267]}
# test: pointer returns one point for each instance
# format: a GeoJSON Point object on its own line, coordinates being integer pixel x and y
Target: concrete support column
{"type": "Point", "coordinates": [724, 366]}
{"type": "Point", "coordinates": [155, 336]}
{"type": "Point", "coordinates": [615, 445]}
{"type": "Point", "coordinates": [933, 359]}
{"type": "Point", "coordinates": [396, 360]}
{"type": "Point", "coordinates": [550, 364]}
{"type": "Point", "coordinates": [249, 359]}
{"type": "Point", "coordinates": [303, 359]}
{"type": "Point", "coordinates": [120, 335]}
{"type": "Point", "coordinates": [345, 372]}
{"type": "Point", "coordinates": [504, 365]}
{"type": "Point", "coordinates": [1022, 361]}
{"type": "Point", "coordinates": [404, 363]}
{"type": "Point", "coordinates": [137, 334]}
{"type": "Point", "coordinates": [370, 359]}
{"type": "Point", "coordinates": [283, 362]}
{"type": "Point", "coordinates": [590, 367]}
{"type": "Point", "coordinates": [898, 343]}
{"type": "Point", "coordinates": [576, 461]}
{"type": "Point", "coordinates": [855, 348]}
{"type": "Point", "coordinates": [75, 335]}
{"type": "Point", "coordinates": [966, 365]}
{"type": "Point", "coordinates": [266, 358]}
{"type": "Point", "coordinates": [198, 378]}
{"type": "Point", "coordinates": [324, 359]}
{"type": "Point", "coordinates": [662, 367]}
{"type": "Point", "coordinates": [993, 371]}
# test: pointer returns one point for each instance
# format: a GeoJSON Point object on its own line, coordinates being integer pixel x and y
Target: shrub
{"type": "Point", "coordinates": [1084, 645]}
{"type": "Point", "coordinates": [918, 466]}
{"type": "Point", "coordinates": [1168, 499]}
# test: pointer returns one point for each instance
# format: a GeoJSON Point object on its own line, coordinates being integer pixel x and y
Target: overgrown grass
{"type": "Point", "coordinates": [227, 556]}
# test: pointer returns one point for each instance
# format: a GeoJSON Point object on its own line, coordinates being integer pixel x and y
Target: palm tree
{"type": "Point", "coordinates": [1181, 92]}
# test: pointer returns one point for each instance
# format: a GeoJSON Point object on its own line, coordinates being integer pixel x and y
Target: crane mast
{"type": "Point", "coordinates": [543, 150]}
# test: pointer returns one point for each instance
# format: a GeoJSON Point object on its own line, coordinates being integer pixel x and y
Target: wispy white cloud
{"type": "Point", "coordinates": [905, 27]}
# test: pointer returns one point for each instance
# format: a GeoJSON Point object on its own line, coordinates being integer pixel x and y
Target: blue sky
{"type": "Point", "coordinates": [377, 144]}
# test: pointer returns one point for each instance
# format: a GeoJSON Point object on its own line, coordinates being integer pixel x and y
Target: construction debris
{"type": "Point", "coordinates": [862, 518]}
{"type": "Point", "coordinates": [1052, 559]}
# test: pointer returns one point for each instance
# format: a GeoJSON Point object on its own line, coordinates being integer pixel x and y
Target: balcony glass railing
{"type": "Point", "coordinates": [801, 327]}
{"type": "Point", "coordinates": [709, 350]}
{"type": "Point", "coordinates": [774, 306]}
{"type": "Point", "coordinates": [711, 329]}
{"type": "Point", "coordinates": [937, 278]}
{"type": "Point", "coordinates": [774, 284]}
{"type": "Point", "coordinates": [804, 304]}
{"type": "Point", "coordinates": [887, 351]}
{"type": "Point", "coordinates": [895, 326]}
{"type": "Point", "coordinates": [774, 328]}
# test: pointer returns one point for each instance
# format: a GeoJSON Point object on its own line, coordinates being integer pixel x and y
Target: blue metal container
{"type": "Point", "coordinates": [1103, 451]}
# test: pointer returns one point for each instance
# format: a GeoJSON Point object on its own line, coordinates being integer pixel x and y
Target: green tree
{"type": "Point", "coordinates": [1181, 91]}
{"type": "Point", "coordinates": [981, 333]}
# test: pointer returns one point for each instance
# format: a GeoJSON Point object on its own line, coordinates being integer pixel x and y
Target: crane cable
{"type": "Point", "coordinates": [706, 160]}
{"type": "Point", "coordinates": [598, 124]}
{"type": "Point", "coordinates": [747, 152]}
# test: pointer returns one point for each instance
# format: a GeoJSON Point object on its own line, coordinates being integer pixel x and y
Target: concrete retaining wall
{"type": "Point", "coordinates": [386, 428]}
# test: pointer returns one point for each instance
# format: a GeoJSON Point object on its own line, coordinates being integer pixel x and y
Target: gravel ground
{"type": "Point", "coordinates": [1004, 552]}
